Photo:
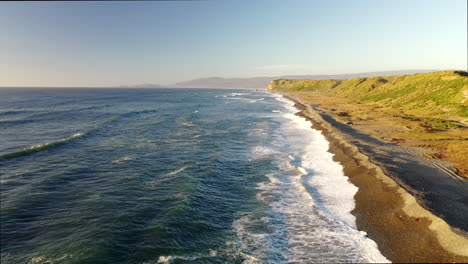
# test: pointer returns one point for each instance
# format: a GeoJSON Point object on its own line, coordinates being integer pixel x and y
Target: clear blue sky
{"type": "Point", "coordinates": [119, 43]}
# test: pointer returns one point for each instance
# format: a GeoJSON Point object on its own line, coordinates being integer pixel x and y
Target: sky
{"type": "Point", "coordinates": [131, 42]}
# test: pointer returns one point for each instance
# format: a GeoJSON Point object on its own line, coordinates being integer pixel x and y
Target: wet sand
{"type": "Point", "coordinates": [406, 204]}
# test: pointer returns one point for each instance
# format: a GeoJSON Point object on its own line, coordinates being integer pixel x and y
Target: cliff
{"type": "Point", "coordinates": [442, 94]}
{"type": "Point", "coordinates": [426, 110]}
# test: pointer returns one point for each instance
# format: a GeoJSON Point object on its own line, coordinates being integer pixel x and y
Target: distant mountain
{"type": "Point", "coordinates": [217, 82]}
{"type": "Point", "coordinates": [143, 85]}
{"type": "Point", "coordinates": [262, 82]}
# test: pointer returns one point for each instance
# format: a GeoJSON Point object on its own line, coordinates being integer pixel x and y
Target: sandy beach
{"type": "Point", "coordinates": [409, 204]}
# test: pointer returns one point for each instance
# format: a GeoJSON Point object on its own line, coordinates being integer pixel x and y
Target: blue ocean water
{"type": "Point", "coordinates": [169, 176]}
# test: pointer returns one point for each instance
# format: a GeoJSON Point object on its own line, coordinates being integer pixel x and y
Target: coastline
{"type": "Point", "coordinates": [387, 209]}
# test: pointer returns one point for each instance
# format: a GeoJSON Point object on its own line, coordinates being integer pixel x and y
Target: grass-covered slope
{"type": "Point", "coordinates": [428, 110]}
{"type": "Point", "coordinates": [436, 94]}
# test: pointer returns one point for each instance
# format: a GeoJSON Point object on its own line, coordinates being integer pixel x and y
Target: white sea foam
{"type": "Point", "coordinates": [76, 135]}
{"type": "Point", "coordinates": [122, 159]}
{"type": "Point", "coordinates": [152, 184]}
{"type": "Point", "coordinates": [175, 172]}
{"type": "Point", "coordinates": [311, 202]}
{"type": "Point", "coordinates": [230, 251]}
{"type": "Point", "coordinates": [324, 179]}
{"type": "Point", "coordinates": [328, 175]}
{"type": "Point", "coordinates": [164, 259]}
{"type": "Point", "coordinates": [44, 259]}
{"type": "Point", "coordinates": [260, 99]}
{"type": "Point", "coordinates": [260, 152]}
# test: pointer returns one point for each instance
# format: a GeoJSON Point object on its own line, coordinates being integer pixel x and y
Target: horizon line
{"type": "Point", "coordinates": [279, 76]}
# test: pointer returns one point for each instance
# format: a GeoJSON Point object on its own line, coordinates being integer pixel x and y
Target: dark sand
{"type": "Point", "coordinates": [406, 203]}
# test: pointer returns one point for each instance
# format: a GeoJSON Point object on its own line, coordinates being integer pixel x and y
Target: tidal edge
{"type": "Point", "coordinates": [403, 230]}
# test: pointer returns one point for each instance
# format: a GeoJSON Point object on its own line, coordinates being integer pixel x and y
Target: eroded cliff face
{"type": "Point", "coordinates": [272, 85]}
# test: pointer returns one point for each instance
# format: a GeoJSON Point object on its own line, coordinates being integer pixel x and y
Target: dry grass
{"type": "Point", "coordinates": [427, 110]}
{"type": "Point", "coordinates": [448, 141]}
{"type": "Point", "coordinates": [442, 95]}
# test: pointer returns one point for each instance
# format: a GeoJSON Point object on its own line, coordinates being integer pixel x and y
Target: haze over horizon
{"type": "Point", "coordinates": [163, 42]}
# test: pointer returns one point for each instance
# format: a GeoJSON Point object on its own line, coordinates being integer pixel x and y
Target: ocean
{"type": "Point", "coordinates": [170, 176]}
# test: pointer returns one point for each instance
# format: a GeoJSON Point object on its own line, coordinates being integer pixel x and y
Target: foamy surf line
{"type": "Point", "coordinates": [311, 211]}
{"type": "Point", "coordinates": [326, 176]}
{"type": "Point", "coordinates": [441, 242]}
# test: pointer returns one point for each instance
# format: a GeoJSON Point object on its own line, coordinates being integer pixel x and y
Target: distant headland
{"type": "Point", "coordinates": [261, 82]}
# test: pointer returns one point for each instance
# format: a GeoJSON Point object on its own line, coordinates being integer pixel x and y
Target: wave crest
{"type": "Point", "coordinates": [28, 151]}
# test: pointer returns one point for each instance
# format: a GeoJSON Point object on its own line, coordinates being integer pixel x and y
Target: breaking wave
{"type": "Point", "coordinates": [37, 148]}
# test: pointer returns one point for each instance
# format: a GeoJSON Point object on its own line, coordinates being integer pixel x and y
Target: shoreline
{"type": "Point", "coordinates": [386, 208]}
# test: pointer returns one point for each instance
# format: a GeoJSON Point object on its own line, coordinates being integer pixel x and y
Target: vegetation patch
{"type": "Point", "coordinates": [437, 94]}
{"type": "Point", "coordinates": [426, 110]}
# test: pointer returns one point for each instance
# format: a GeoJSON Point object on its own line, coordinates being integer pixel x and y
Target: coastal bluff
{"type": "Point", "coordinates": [426, 110]}
{"type": "Point", "coordinates": [403, 141]}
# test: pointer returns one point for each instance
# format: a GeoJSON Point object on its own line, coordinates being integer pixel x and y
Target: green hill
{"type": "Point", "coordinates": [441, 94]}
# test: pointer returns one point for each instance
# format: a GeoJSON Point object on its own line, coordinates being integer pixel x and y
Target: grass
{"type": "Point", "coordinates": [441, 94]}
{"type": "Point", "coordinates": [426, 110]}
